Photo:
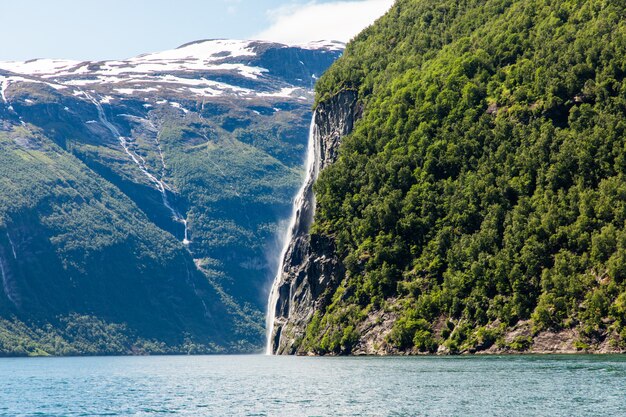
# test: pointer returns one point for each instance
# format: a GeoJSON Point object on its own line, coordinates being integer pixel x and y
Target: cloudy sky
{"type": "Point", "coordinates": [107, 29]}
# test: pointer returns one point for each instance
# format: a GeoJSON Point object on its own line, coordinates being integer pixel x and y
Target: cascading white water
{"type": "Point", "coordinates": [5, 283]}
{"type": "Point", "coordinates": [3, 93]}
{"type": "Point", "coordinates": [3, 87]}
{"type": "Point", "coordinates": [12, 246]}
{"type": "Point", "coordinates": [141, 164]}
{"type": "Point", "coordinates": [299, 202]}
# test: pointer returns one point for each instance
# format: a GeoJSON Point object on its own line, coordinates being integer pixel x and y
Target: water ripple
{"type": "Point", "coordinates": [203, 386]}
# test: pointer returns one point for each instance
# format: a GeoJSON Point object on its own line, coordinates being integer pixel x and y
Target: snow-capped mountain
{"type": "Point", "coordinates": [199, 70]}
{"type": "Point", "coordinates": [146, 194]}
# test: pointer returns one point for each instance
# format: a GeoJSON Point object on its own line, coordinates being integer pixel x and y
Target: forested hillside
{"type": "Point", "coordinates": [480, 202]}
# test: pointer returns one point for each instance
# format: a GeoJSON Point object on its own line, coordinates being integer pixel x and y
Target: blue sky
{"type": "Point", "coordinates": [108, 29]}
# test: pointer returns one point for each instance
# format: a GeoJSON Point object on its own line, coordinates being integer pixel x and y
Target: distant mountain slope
{"type": "Point", "coordinates": [141, 198]}
{"type": "Point", "coordinates": [480, 202]}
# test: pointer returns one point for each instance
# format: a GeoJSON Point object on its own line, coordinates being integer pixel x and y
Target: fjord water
{"type": "Point", "coordinates": [295, 386]}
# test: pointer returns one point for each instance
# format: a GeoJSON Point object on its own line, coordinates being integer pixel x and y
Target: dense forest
{"type": "Point", "coordinates": [485, 185]}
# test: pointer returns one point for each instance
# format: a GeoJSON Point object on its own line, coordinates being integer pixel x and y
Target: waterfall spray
{"type": "Point", "coordinates": [299, 214]}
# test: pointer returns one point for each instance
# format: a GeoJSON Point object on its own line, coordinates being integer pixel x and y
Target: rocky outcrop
{"type": "Point", "coordinates": [311, 269]}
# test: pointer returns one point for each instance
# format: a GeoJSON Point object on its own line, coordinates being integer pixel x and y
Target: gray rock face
{"type": "Point", "coordinates": [311, 269]}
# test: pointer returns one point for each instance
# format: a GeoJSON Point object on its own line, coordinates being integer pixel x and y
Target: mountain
{"type": "Point", "coordinates": [478, 202]}
{"type": "Point", "coordinates": [141, 199]}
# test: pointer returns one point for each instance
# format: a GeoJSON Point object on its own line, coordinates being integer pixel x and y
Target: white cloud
{"type": "Point", "coordinates": [340, 20]}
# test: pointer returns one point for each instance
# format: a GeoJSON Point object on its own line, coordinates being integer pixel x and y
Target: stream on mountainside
{"type": "Point", "coordinates": [140, 162]}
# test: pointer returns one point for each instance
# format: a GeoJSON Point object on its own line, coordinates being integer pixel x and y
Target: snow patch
{"type": "Point", "coordinates": [284, 92]}
{"type": "Point", "coordinates": [178, 106]}
{"type": "Point", "coordinates": [56, 86]}
{"type": "Point", "coordinates": [125, 91]}
{"type": "Point", "coordinates": [209, 50]}
{"type": "Point", "coordinates": [38, 66]}
{"type": "Point", "coordinates": [328, 45]}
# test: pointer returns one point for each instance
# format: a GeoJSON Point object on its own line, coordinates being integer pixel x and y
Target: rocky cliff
{"type": "Point", "coordinates": [311, 269]}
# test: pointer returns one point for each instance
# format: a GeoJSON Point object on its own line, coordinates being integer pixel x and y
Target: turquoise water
{"type": "Point", "coordinates": [567, 386]}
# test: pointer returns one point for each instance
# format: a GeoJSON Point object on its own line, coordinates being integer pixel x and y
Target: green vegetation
{"type": "Point", "coordinates": [148, 220]}
{"type": "Point", "coordinates": [78, 256]}
{"type": "Point", "coordinates": [86, 335]}
{"type": "Point", "coordinates": [486, 182]}
{"type": "Point", "coordinates": [87, 243]}
{"type": "Point", "coordinates": [235, 192]}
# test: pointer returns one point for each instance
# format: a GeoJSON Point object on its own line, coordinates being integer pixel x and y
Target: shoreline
{"type": "Point", "coordinates": [412, 355]}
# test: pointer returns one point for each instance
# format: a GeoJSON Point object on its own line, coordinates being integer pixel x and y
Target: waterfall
{"type": "Point", "coordinates": [141, 164]}
{"type": "Point", "coordinates": [5, 283]}
{"type": "Point", "coordinates": [3, 88]}
{"type": "Point", "coordinates": [301, 217]}
{"type": "Point", "coordinates": [12, 245]}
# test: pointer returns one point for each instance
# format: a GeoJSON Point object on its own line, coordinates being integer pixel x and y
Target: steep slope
{"type": "Point", "coordinates": [479, 204]}
{"type": "Point", "coordinates": [62, 222]}
{"type": "Point", "coordinates": [141, 198]}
